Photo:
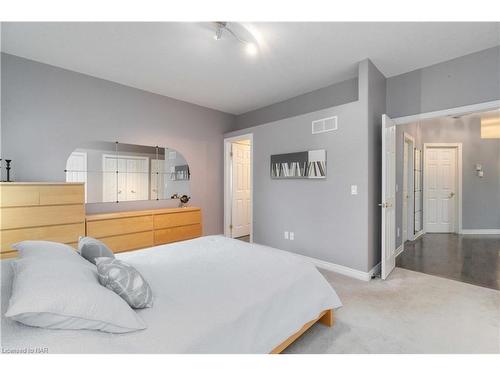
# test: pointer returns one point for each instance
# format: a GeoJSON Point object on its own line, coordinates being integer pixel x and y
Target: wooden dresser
{"type": "Point", "coordinates": [40, 211]}
{"type": "Point", "coordinates": [131, 230]}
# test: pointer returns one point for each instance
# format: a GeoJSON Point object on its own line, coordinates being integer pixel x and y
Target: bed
{"type": "Point", "coordinates": [211, 295]}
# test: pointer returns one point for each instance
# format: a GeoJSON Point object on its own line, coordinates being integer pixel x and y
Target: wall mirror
{"type": "Point", "coordinates": [117, 172]}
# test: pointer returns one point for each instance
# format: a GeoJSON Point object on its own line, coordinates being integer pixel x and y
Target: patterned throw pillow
{"type": "Point", "coordinates": [90, 249]}
{"type": "Point", "coordinates": [126, 281]}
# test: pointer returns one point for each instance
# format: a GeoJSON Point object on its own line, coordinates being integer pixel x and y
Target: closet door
{"type": "Point", "coordinates": [137, 186]}
{"type": "Point", "coordinates": [109, 182]}
{"type": "Point", "coordinates": [122, 180]}
{"type": "Point", "coordinates": [142, 170]}
{"type": "Point", "coordinates": [132, 183]}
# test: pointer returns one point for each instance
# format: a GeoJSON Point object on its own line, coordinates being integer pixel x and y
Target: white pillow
{"type": "Point", "coordinates": [60, 293]}
{"type": "Point", "coordinates": [32, 248]}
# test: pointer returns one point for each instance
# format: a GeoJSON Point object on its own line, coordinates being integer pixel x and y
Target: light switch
{"type": "Point", "coordinates": [292, 236]}
{"type": "Point", "coordinates": [354, 189]}
{"type": "Point", "coordinates": [286, 235]}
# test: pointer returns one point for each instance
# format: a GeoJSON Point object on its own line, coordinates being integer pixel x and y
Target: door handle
{"type": "Point", "coordinates": [452, 194]}
{"type": "Point", "coordinates": [132, 191]}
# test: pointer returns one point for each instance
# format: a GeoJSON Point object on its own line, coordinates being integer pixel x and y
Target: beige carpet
{"type": "Point", "coordinates": [411, 312]}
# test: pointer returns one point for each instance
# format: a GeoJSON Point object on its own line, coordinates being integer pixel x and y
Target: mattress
{"type": "Point", "coordinates": [211, 295]}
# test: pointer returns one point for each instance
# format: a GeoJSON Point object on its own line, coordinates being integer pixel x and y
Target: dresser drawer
{"type": "Point", "coordinates": [131, 241]}
{"type": "Point", "coordinates": [58, 233]}
{"type": "Point", "coordinates": [25, 217]}
{"type": "Point", "coordinates": [177, 234]}
{"type": "Point", "coordinates": [19, 195]}
{"type": "Point", "coordinates": [63, 194]}
{"type": "Point", "coordinates": [176, 219]}
{"type": "Point", "coordinates": [113, 227]}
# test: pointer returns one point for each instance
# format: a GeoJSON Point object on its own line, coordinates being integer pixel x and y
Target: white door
{"type": "Point", "coordinates": [388, 196]}
{"type": "Point", "coordinates": [241, 190]}
{"type": "Point", "coordinates": [76, 169]}
{"type": "Point", "coordinates": [440, 181]}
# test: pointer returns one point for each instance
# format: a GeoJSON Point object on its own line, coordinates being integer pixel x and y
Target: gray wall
{"type": "Point", "coordinates": [330, 96]}
{"type": "Point", "coordinates": [47, 112]}
{"type": "Point", "coordinates": [329, 223]}
{"type": "Point", "coordinates": [481, 196]}
{"type": "Point", "coordinates": [466, 80]}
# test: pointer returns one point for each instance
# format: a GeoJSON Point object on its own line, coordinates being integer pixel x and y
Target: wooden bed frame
{"type": "Point", "coordinates": [326, 317]}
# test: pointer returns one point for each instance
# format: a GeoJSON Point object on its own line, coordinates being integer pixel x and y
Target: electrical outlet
{"type": "Point", "coordinates": [292, 236]}
{"type": "Point", "coordinates": [286, 235]}
{"type": "Point", "coordinates": [354, 189]}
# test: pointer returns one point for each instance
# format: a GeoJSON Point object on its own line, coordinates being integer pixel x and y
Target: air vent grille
{"type": "Point", "coordinates": [324, 125]}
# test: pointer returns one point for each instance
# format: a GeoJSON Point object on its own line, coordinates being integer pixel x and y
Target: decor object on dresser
{"type": "Point", "coordinates": [124, 280]}
{"type": "Point", "coordinates": [50, 211]}
{"type": "Point", "coordinates": [184, 200]}
{"type": "Point", "coordinates": [306, 164]}
{"type": "Point", "coordinates": [131, 230]}
{"type": "Point", "coordinates": [117, 172]}
{"type": "Point", "coordinates": [8, 167]}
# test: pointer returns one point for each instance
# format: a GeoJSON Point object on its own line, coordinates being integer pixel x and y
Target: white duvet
{"type": "Point", "coordinates": [211, 295]}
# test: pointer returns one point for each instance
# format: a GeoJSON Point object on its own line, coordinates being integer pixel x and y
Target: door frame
{"type": "Point", "coordinates": [228, 181]}
{"type": "Point", "coordinates": [458, 147]}
{"type": "Point", "coordinates": [410, 141]}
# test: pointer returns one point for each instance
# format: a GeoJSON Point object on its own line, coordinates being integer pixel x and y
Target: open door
{"type": "Point", "coordinates": [241, 190]}
{"type": "Point", "coordinates": [388, 196]}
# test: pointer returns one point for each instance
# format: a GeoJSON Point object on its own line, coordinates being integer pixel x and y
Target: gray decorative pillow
{"type": "Point", "coordinates": [126, 281]}
{"type": "Point", "coordinates": [90, 248]}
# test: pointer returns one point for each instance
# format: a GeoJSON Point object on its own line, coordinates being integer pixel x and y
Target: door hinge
{"type": "Point", "coordinates": [231, 154]}
{"type": "Point", "coordinates": [231, 226]}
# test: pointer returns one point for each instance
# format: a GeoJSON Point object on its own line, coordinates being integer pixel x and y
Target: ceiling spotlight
{"type": "Point", "coordinates": [251, 49]}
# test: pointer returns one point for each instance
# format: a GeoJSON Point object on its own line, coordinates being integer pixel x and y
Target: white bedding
{"type": "Point", "coordinates": [211, 295]}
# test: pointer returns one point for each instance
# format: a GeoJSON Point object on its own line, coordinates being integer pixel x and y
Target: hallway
{"type": "Point", "coordinates": [474, 259]}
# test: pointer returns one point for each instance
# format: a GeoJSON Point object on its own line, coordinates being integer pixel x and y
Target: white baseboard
{"type": "Point", "coordinates": [480, 231]}
{"type": "Point", "coordinates": [400, 249]}
{"type": "Point", "coordinates": [418, 235]}
{"type": "Point", "coordinates": [343, 270]}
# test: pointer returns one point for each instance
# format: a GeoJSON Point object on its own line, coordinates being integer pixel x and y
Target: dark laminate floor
{"type": "Point", "coordinates": [473, 259]}
{"type": "Point", "coordinates": [244, 238]}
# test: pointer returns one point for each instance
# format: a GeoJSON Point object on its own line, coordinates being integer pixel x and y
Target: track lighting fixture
{"type": "Point", "coordinates": [220, 27]}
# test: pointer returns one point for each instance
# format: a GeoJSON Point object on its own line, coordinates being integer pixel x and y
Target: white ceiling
{"type": "Point", "coordinates": [183, 61]}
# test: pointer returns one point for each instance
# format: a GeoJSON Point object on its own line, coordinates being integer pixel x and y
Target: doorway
{"type": "Point", "coordinates": [408, 188]}
{"type": "Point", "coordinates": [238, 187]}
{"type": "Point", "coordinates": [442, 187]}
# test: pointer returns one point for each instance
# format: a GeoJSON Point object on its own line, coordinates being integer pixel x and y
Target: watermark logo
{"type": "Point", "coordinates": [38, 350]}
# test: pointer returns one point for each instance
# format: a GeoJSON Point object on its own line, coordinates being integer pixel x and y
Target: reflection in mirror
{"type": "Point", "coordinates": [116, 172]}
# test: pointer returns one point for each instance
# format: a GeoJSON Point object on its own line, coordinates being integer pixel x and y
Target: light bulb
{"type": "Point", "coordinates": [251, 49]}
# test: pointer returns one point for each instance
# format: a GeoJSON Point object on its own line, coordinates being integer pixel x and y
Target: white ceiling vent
{"type": "Point", "coordinates": [324, 125]}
